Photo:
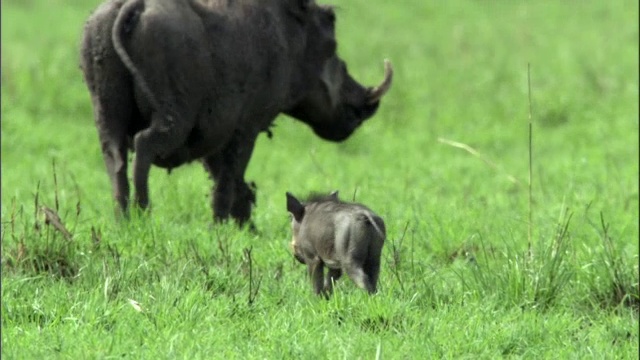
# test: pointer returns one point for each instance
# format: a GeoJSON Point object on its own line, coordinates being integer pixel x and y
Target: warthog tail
{"type": "Point", "coordinates": [124, 23]}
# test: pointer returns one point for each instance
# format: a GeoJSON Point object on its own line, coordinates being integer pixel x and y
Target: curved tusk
{"type": "Point", "coordinates": [378, 92]}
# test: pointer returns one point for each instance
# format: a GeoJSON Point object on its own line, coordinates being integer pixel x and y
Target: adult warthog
{"type": "Point", "coordinates": [339, 235]}
{"type": "Point", "coordinates": [182, 80]}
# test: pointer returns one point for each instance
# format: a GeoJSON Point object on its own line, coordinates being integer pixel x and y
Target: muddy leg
{"type": "Point", "coordinates": [332, 276]}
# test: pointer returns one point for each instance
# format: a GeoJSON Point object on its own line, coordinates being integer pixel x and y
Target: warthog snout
{"type": "Point", "coordinates": [339, 235]}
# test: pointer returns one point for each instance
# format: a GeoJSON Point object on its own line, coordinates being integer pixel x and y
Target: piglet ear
{"type": "Point", "coordinates": [334, 195]}
{"type": "Point", "coordinates": [295, 207]}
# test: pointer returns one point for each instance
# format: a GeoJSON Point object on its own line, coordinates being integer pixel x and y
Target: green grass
{"type": "Point", "coordinates": [458, 277]}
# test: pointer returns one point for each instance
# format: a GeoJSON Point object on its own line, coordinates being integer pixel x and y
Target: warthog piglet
{"type": "Point", "coordinates": [339, 235]}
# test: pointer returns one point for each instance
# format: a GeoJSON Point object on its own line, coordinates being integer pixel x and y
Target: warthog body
{"type": "Point", "coordinates": [182, 80]}
{"type": "Point", "coordinates": [338, 235]}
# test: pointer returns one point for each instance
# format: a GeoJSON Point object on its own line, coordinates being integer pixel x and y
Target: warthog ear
{"type": "Point", "coordinates": [295, 207]}
{"type": "Point", "coordinates": [334, 195]}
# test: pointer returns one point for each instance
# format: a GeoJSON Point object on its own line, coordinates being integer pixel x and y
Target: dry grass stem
{"type": "Point", "coordinates": [479, 155]}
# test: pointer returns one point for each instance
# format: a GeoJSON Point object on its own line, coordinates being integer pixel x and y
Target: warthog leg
{"type": "Point", "coordinates": [166, 134]}
{"type": "Point", "coordinates": [316, 272]}
{"type": "Point", "coordinates": [243, 202]}
{"type": "Point", "coordinates": [360, 277]}
{"type": "Point", "coordinates": [114, 152]}
{"type": "Point", "coordinates": [372, 264]}
{"type": "Point", "coordinates": [231, 196]}
{"type": "Point", "coordinates": [223, 191]}
{"type": "Point", "coordinates": [113, 102]}
{"type": "Point", "coordinates": [116, 161]}
{"type": "Point", "coordinates": [332, 276]}
{"type": "Point", "coordinates": [372, 268]}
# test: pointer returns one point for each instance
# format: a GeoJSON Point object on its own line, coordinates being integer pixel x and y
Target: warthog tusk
{"type": "Point", "coordinates": [378, 92]}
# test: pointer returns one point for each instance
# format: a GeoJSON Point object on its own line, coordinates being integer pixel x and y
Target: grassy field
{"type": "Point", "coordinates": [460, 277]}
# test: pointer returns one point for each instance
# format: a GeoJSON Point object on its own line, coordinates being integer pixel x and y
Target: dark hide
{"type": "Point", "coordinates": [182, 80]}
